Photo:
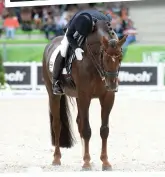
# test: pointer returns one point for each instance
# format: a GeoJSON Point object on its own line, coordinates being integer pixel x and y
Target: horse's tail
{"type": "Point", "coordinates": [66, 136]}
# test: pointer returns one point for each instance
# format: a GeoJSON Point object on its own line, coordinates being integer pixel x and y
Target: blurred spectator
{"type": "Point", "coordinates": [124, 13]}
{"type": "Point", "coordinates": [17, 11]}
{"type": "Point", "coordinates": [116, 8]}
{"type": "Point", "coordinates": [10, 24]}
{"type": "Point", "coordinates": [49, 26]}
{"type": "Point", "coordinates": [2, 6]}
{"type": "Point", "coordinates": [61, 23]}
{"type": "Point", "coordinates": [37, 20]}
{"type": "Point", "coordinates": [118, 25]}
{"type": "Point", "coordinates": [52, 19]}
{"type": "Point", "coordinates": [44, 15]}
{"type": "Point", "coordinates": [37, 17]}
{"type": "Point", "coordinates": [26, 19]}
{"type": "Point", "coordinates": [1, 25]}
{"type": "Point", "coordinates": [131, 32]}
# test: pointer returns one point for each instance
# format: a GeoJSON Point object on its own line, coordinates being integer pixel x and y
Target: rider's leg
{"type": "Point", "coordinates": [58, 67]}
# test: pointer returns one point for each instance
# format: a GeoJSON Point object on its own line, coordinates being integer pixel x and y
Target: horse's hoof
{"type": "Point", "coordinates": [56, 163]}
{"type": "Point", "coordinates": [86, 169]}
{"type": "Point", "coordinates": [106, 168]}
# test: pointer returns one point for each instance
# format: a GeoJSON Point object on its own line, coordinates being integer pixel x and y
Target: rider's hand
{"type": "Point", "coordinates": [78, 53]}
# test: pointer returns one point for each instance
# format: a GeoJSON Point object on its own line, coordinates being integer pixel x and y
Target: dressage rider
{"type": "Point", "coordinates": [81, 23]}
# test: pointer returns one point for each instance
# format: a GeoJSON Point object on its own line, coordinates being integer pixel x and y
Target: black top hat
{"type": "Point", "coordinates": [84, 24]}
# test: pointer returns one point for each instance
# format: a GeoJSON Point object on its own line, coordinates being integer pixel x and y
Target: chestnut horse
{"type": "Point", "coordinates": [96, 76]}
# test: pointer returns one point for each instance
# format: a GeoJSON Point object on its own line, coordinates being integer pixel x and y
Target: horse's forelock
{"type": "Point", "coordinates": [113, 43]}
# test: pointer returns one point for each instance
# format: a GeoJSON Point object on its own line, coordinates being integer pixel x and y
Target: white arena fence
{"type": "Point", "coordinates": [140, 76]}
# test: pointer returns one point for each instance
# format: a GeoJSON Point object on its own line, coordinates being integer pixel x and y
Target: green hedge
{"type": "Point", "coordinates": [2, 71]}
{"type": "Point", "coordinates": [24, 53]}
{"type": "Point", "coordinates": [19, 31]}
{"type": "Point", "coordinates": [135, 52]}
{"type": "Point", "coordinates": [32, 51]}
{"type": "Point", "coordinates": [23, 41]}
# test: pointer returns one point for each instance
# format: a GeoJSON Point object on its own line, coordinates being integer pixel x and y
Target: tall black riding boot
{"type": "Point", "coordinates": [58, 67]}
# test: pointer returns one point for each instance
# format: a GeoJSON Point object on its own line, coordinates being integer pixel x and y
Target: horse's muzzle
{"type": "Point", "coordinates": [115, 89]}
{"type": "Point", "coordinates": [111, 85]}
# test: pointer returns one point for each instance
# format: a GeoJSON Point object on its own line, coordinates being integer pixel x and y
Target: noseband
{"type": "Point", "coordinates": [99, 64]}
{"type": "Point", "coordinates": [110, 74]}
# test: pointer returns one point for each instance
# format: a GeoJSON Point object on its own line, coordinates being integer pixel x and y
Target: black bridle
{"type": "Point", "coordinates": [109, 73]}
{"type": "Point", "coordinates": [99, 65]}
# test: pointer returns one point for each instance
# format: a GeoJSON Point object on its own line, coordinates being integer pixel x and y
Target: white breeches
{"type": "Point", "coordinates": [64, 46]}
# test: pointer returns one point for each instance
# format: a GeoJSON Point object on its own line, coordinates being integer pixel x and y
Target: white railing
{"type": "Point", "coordinates": [132, 75]}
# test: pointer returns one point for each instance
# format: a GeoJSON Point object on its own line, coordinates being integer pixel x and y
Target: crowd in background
{"type": "Point", "coordinates": [52, 19]}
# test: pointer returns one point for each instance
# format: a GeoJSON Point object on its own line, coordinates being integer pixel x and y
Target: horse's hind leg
{"type": "Point", "coordinates": [62, 134]}
{"type": "Point", "coordinates": [78, 117]}
{"type": "Point", "coordinates": [54, 114]}
{"type": "Point", "coordinates": [54, 103]}
{"type": "Point", "coordinates": [106, 102]}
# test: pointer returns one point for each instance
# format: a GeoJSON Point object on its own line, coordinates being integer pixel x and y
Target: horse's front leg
{"type": "Point", "coordinates": [106, 101]}
{"type": "Point", "coordinates": [78, 117]}
{"type": "Point", "coordinates": [83, 104]}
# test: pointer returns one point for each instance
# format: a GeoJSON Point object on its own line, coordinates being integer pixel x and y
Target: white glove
{"type": "Point", "coordinates": [78, 53]}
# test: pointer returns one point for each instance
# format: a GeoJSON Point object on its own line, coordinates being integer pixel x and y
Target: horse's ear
{"type": "Point", "coordinates": [122, 41]}
{"type": "Point", "coordinates": [104, 42]}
